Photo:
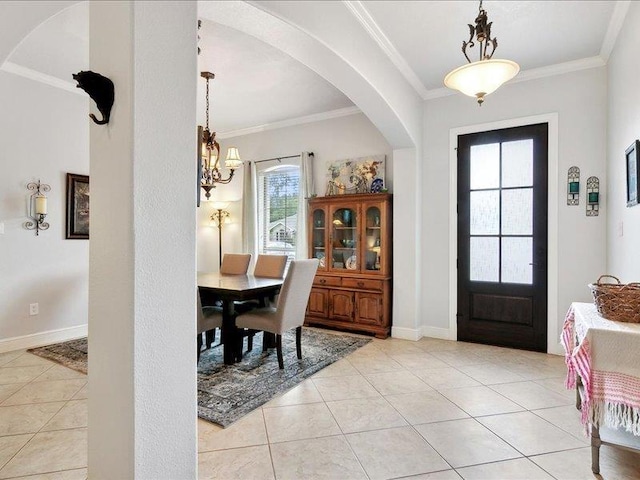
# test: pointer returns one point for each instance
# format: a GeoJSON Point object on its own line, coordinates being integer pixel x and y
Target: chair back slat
{"type": "Point", "coordinates": [270, 266]}
{"type": "Point", "coordinates": [235, 263]}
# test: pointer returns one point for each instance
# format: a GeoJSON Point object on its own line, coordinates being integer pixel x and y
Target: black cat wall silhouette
{"type": "Point", "coordinates": [100, 89]}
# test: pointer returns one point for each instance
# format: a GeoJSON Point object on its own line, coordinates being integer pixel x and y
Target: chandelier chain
{"type": "Point", "coordinates": [207, 97]}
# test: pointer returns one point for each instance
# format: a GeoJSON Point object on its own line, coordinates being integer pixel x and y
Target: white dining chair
{"type": "Point", "coordinates": [209, 319]}
{"type": "Point", "coordinates": [290, 310]}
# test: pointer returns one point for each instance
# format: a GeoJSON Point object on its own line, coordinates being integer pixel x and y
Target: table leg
{"type": "Point", "coordinates": [595, 449]}
{"type": "Point", "coordinates": [229, 333]}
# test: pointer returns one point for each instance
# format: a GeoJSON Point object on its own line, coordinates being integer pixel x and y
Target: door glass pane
{"type": "Point", "coordinates": [517, 254]}
{"type": "Point", "coordinates": [373, 239]}
{"type": "Point", "coordinates": [517, 211]}
{"type": "Point", "coordinates": [344, 239]}
{"type": "Point", "coordinates": [319, 248]}
{"type": "Point", "coordinates": [517, 163]}
{"type": "Point", "coordinates": [483, 259]}
{"type": "Point", "coordinates": [485, 166]}
{"type": "Point", "coordinates": [485, 212]}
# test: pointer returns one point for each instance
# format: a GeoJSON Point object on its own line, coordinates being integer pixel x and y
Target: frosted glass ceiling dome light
{"type": "Point", "coordinates": [477, 79]}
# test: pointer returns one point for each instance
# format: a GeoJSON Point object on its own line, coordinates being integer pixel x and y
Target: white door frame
{"type": "Point", "coordinates": [552, 219]}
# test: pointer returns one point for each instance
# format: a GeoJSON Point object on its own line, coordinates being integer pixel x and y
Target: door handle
{"type": "Point", "coordinates": [534, 264]}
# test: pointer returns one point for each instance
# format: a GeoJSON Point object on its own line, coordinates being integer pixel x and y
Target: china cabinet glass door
{"type": "Point", "coordinates": [318, 238]}
{"type": "Point", "coordinates": [344, 239]}
{"type": "Point", "coordinates": [373, 239]}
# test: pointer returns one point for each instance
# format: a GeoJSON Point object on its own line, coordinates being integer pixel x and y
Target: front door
{"type": "Point", "coordinates": [502, 237]}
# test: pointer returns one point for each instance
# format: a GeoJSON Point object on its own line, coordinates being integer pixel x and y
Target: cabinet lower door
{"type": "Point", "coordinates": [318, 305]}
{"type": "Point", "coordinates": [369, 309]}
{"type": "Point", "coordinates": [341, 305]}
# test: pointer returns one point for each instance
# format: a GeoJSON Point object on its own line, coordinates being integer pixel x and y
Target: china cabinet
{"type": "Point", "coordinates": [351, 236]}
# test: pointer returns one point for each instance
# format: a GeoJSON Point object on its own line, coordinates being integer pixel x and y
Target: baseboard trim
{"type": "Point", "coordinates": [437, 332]}
{"type": "Point", "coordinates": [405, 333]}
{"type": "Point", "coordinates": [42, 338]}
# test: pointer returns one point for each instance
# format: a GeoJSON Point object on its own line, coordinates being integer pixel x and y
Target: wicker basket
{"type": "Point", "coordinates": [617, 301]}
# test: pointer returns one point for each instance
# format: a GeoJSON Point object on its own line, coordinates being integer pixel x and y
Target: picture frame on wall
{"type": "Point", "coordinates": [633, 167]}
{"type": "Point", "coordinates": [77, 207]}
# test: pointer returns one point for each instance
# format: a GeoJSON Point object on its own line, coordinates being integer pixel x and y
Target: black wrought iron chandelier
{"type": "Point", "coordinates": [210, 148]}
{"type": "Point", "coordinates": [477, 79]}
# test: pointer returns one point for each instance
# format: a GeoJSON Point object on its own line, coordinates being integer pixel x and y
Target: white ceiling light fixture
{"type": "Point", "coordinates": [477, 79]}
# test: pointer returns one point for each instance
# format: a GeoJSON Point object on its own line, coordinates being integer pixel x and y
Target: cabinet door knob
{"type": "Point", "coordinates": [323, 281]}
{"type": "Point", "coordinates": [361, 284]}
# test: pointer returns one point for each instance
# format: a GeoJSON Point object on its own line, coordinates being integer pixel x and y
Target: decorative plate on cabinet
{"type": "Point", "coordinates": [320, 257]}
{"type": "Point", "coordinates": [351, 263]}
{"type": "Point", "coordinates": [376, 185]}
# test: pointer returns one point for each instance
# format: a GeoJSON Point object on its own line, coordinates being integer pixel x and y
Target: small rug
{"type": "Point", "coordinates": [228, 392]}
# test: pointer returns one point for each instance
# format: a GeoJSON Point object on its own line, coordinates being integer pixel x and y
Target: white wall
{"type": "Point", "coordinates": [44, 135]}
{"type": "Point", "coordinates": [334, 139]}
{"type": "Point", "coordinates": [623, 258]}
{"type": "Point", "coordinates": [579, 99]}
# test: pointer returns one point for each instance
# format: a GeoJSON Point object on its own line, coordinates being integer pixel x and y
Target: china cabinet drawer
{"type": "Point", "coordinates": [327, 281]}
{"type": "Point", "coordinates": [363, 283]}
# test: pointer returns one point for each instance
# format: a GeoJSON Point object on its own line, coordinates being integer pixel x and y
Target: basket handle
{"type": "Point", "coordinates": [608, 276]}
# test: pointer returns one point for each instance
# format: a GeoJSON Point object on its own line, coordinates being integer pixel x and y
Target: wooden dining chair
{"type": "Point", "coordinates": [235, 263]}
{"type": "Point", "coordinates": [209, 318]}
{"type": "Point", "coordinates": [290, 310]}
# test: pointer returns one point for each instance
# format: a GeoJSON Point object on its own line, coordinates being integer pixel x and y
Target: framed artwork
{"type": "Point", "coordinates": [633, 166]}
{"type": "Point", "coordinates": [356, 175]}
{"type": "Point", "coordinates": [77, 206]}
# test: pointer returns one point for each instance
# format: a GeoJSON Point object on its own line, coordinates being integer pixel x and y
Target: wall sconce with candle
{"type": "Point", "coordinates": [37, 206]}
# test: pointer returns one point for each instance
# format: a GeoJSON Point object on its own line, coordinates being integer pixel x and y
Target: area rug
{"type": "Point", "coordinates": [228, 392]}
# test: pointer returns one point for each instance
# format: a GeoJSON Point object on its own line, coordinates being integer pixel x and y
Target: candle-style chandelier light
{"type": "Point", "coordinates": [477, 79]}
{"type": "Point", "coordinates": [210, 148]}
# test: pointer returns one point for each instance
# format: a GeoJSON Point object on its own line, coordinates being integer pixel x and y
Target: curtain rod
{"type": "Point", "coordinates": [279, 158]}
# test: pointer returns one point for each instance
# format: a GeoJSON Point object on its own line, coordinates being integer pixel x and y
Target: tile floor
{"type": "Point", "coordinates": [431, 409]}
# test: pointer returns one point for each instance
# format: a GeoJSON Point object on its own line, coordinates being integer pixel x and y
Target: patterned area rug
{"type": "Point", "coordinates": [228, 392]}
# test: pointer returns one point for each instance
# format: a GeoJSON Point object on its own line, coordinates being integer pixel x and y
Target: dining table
{"type": "Point", "coordinates": [229, 289]}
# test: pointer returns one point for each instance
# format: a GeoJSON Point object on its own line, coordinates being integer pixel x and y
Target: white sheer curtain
{"type": "Point", "coordinates": [306, 189]}
{"type": "Point", "coordinates": [249, 211]}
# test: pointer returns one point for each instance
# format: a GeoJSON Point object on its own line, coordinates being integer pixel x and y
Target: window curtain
{"type": "Point", "coordinates": [306, 189]}
{"type": "Point", "coordinates": [249, 211]}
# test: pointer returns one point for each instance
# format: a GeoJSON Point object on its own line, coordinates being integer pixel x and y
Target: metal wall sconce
{"type": "Point", "coordinates": [37, 206]}
{"type": "Point", "coordinates": [219, 217]}
{"type": "Point", "coordinates": [593, 196]}
{"type": "Point", "coordinates": [573, 186]}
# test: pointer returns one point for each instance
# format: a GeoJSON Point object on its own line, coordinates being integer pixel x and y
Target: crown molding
{"type": "Point", "coordinates": [363, 16]}
{"type": "Point", "coordinates": [316, 117]}
{"type": "Point", "coordinates": [613, 30]}
{"type": "Point", "coordinates": [534, 73]}
{"type": "Point", "coordinates": [40, 77]}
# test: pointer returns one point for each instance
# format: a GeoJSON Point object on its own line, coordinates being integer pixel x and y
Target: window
{"type": "Point", "coordinates": [278, 210]}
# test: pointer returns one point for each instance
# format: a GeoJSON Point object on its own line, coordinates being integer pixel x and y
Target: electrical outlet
{"type": "Point", "coordinates": [34, 309]}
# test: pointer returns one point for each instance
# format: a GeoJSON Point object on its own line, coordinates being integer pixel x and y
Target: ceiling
{"type": "Point", "coordinates": [257, 84]}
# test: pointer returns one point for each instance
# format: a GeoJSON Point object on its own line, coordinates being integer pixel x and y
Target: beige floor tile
{"type": "Point", "coordinates": [49, 452]}
{"type": "Point", "coordinates": [436, 345]}
{"type": "Point", "coordinates": [569, 465]}
{"type": "Point", "coordinates": [418, 361]}
{"type": "Point", "coordinates": [567, 418]}
{"type": "Point", "coordinates": [533, 370]}
{"type": "Point", "coordinates": [306, 392]}
{"type": "Point", "coordinates": [459, 358]}
{"type": "Point", "coordinates": [7, 390]}
{"type": "Point", "coordinates": [520, 469]}
{"type": "Point", "coordinates": [6, 357]}
{"type": "Point", "coordinates": [532, 396]}
{"type": "Point", "coordinates": [377, 364]}
{"type": "Point", "coordinates": [297, 422]}
{"type": "Point", "coordinates": [477, 401]}
{"type": "Point", "coordinates": [60, 372]}
{"type": "Point", "coordinates": [9, 446]}
{"type": "Point", "coordinates": [397, 346]}
{"type": "Point", "coordinates": [443, 378]}
{"type": "Point", "coordinates": [249, 431]}
{"type": "Point", "coordinates": [341, 368]}
{"type": "Point", "coordinates": [21, 374]}
{"type": "Point", "coordinates": [52, 391]}
{"type": "Point", "coordinates": [29, 360]}
{"type": "Point", "coordinates": [530, 434]}
{"type": "Point", "coordinates": [443, 475]}
{"type": "Point", "coordinates": [490, 373]}
{"type": "Point", "coordinates": [425, 407]}
{"type": "Point", "coordinates": [83, 393]}
{"type": "Point", "coordinates": [392, 383]}
{"type": "Point", "coordinates": [328, 458]}
{"type": "Point", "coordinates": [344, 388]}
{"type": "Point", "coordinates": [557, 385]}
{"type": "Point", "coordinates": [72, 415]}
{"type": "Point", "coordinates": [26, 418]}
{"type": "Point", "coordinates": [79, 474]}
{"type": "Point", "coordinates": [248, 463]}
{"type": "Point", "coordinates": [364, 414]}
{"type": "Point", "coordinates": [395, 452]}
{"type": "Point", "coordinates": [466, 442]}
